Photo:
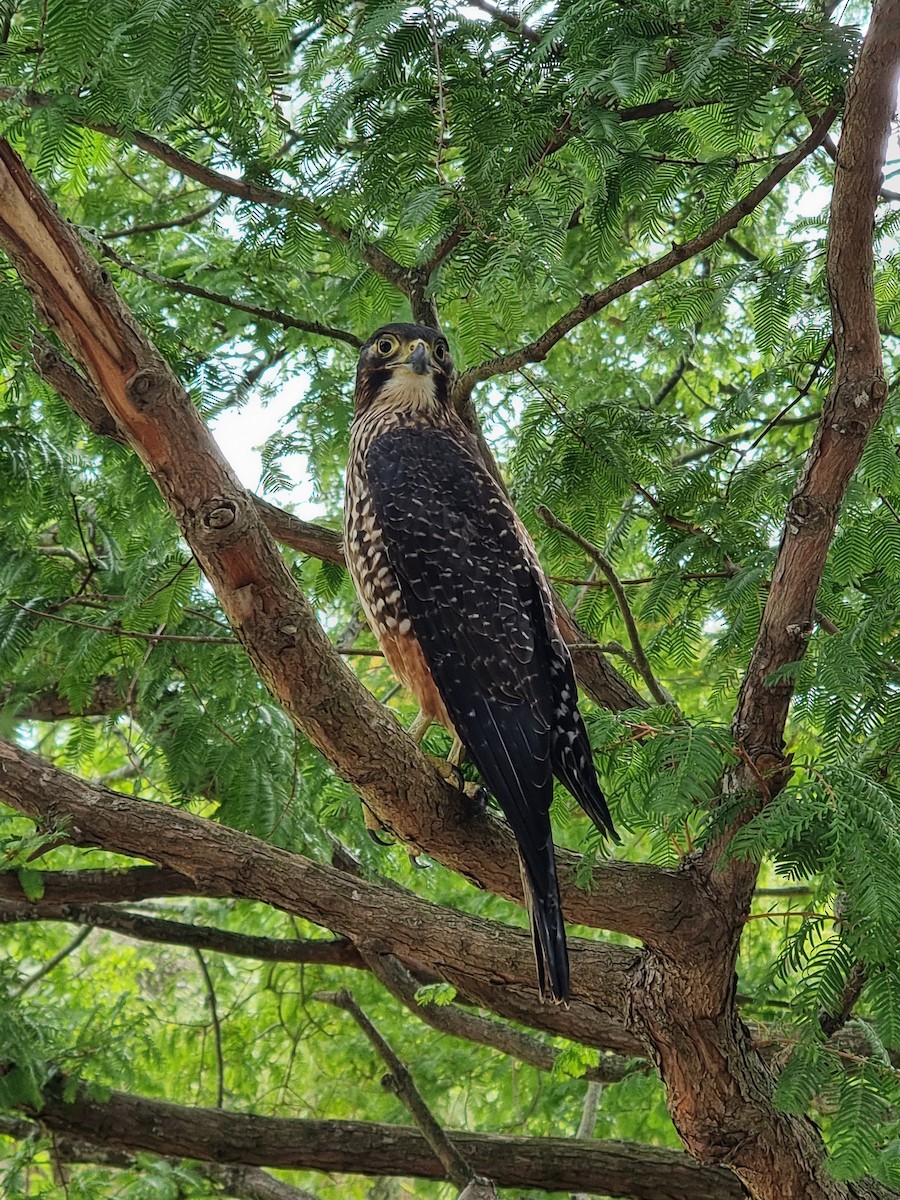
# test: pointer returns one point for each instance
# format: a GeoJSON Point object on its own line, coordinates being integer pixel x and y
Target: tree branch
{"type": "Point", "coordinates": [486, 961]}
{"type": "Point", "coordinates": [400, 1082]}
{"type": "Point", "coordinates": [120, 884]}
{"type": "Point", "coordinates": [274, 315]}
{"type": "Point", "coordinates": [331, 952]}
{"type": "Point", "coordinates": [51, 964]}
{"type": "Point", "coordinates": [512, 23]}
{"type": "Point", "coordinates": [719, 1089]}
{"type": "Point", "coordinates": [641, 662]}
{"type": "Point", "coordinates": [593, 303]}
{"type": "Point", "coordinates": [158, 226]}
{"type": "Point", "coordinates": [355, 1147]}
{"type": "Point", "coordinates": [242, 1183]}
{"type": "Point", "coordinates": [854, 404]}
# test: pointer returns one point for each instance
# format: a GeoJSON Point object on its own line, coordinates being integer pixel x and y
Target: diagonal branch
{"type": "Point", "coordinates": [595, 302]}
{"type": "Point", "coordinates": [853, 406]}
{"type": "Point", "coordinates": [274, 315]}
{"type": "Point", "coordinates": [777, 1155]}
{"type": "Point", "coordinates": [400, 1082]}
{"type": "Point", "coordinates": [639, 655]}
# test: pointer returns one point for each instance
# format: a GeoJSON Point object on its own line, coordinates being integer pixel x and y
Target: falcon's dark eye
{"type": "Point", "coordinates": [440, 352]}
{"type": "Point", "coordinates": [386, 346]}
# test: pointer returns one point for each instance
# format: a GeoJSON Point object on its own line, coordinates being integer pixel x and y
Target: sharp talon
{"type": "Point", "coordinates": [448, 771]}
{"type": "Point", "coordinates": [478, 795]}
{"type": "Point", "coordinates": [414, 861]}
{"type": "Point", "coordinates": [378, 839]}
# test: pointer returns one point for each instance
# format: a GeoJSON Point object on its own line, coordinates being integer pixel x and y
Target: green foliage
{"type": "Point", "coordinates": [668, 432]}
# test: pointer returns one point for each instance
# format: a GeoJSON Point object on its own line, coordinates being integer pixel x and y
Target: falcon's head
{"type": "Point", "coordinates": [404, 366]}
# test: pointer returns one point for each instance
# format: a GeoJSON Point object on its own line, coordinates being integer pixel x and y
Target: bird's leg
{"type": "Point", "coordinates": [448, 769]}
{"type": "Point", "coordinates": [457, 755]}
{"type": "Point", "coordinates": [419, 727]}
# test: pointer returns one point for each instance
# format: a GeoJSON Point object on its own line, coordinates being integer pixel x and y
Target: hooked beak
{"type": "Point", "coordinates": [418, 360]}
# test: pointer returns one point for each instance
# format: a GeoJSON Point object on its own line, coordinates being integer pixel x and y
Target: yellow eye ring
{"type": "Point", "coordinates": [386, 346]}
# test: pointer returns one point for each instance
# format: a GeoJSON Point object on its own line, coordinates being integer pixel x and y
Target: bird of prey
{"type": "Point", "coordinates": [452, 588]}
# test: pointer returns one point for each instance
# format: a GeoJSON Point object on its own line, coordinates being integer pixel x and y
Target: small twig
{"type": "Point", "coordinates": [400, 1082]}
{"type": "Point", "coordinates": [685, 577]}
{"type": "Point", "coordinates": [802, 393]}
{"type": "Point", "coordinates": [787, 914]}
{"type": "Point", "coordinates": [657, 691]}
{"type": "Point", "coordinates": [514, 24]}
{"type": "Point", "coordinates": [115, 631]}
{"type": "Point", "coordinates": [52, 963]}
{"type": "Point", "coordinates": [285, 320]}
{"type": "Point", "coordinates": [217, 1028]}
{"type": "Point", "coordinates": [171, 223]}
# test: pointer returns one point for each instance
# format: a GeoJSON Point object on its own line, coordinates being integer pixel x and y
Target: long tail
{"type": "Point", "coordinates": [512, 752]}
{"type": "Point", "coordinates": [548, 932]}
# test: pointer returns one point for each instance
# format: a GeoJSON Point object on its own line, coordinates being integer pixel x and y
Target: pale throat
{"type": "Point", "coordinates": [405, 389]}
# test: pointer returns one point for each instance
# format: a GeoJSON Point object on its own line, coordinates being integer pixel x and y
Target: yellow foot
{"type": "Point", "coordinates": [451, 774]}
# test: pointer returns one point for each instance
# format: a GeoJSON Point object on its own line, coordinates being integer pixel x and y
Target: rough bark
{"type": "Point", "coordinates": [486, 961]}
{"type": "Point", "coordinates": [354, 1147]}
{"type": "Point", "coordinates": [684, 999]}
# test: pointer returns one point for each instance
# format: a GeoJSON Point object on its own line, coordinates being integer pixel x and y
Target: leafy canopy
{"type": "Point", "coordinates": [509, 168]}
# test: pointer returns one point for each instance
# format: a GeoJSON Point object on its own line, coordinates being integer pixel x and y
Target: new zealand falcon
{"type": "Point", "coordinates": [452, 588]}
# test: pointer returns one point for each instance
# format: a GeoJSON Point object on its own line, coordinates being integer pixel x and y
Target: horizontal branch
{"type": "Point", "coordinates": [319, 951]}
{"type": "Point", "coordinates": [117, 885]}
{"type": "Point", "coordinates": [486, 961]}
{"type": "Point", "coordinates": [595, 302]}
{"type": "Point", "coordinates": [356, 1147]}
{"type": "Point", "coordinates": [167, 223]}
{"type": "Point", "coordinates": [241, 1183]}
